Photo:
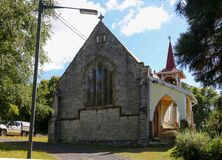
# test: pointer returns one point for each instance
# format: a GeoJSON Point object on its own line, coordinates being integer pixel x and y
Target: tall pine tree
{"type": "Point", "coordinates": [200, 48]}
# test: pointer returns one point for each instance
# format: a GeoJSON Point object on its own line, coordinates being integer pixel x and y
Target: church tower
{"type": "Point", "coordinates": [170, 73]}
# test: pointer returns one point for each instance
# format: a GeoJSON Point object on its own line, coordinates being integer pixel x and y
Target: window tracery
{"type": "Point", "coordinates": [99, 85]}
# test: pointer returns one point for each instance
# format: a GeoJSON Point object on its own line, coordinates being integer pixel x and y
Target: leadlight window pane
{"type": "Point", "coordinates": [88, 85]}
{"type": "Point", "coordinates": [99, 86]}
{"type": "Point", "coordinates": [110, 89]}
{"type": "Point", "coordinates": [104, 38]}
{"type": "Point", "coordinates": [97, 39]}
{"type": "Point", "coordinates": [105, 81]}
{"type": "Point", "coordinates": [94, 88]}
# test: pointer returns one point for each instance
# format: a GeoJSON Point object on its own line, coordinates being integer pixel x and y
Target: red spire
{"type": "Point", "coordinates": [170, 59]}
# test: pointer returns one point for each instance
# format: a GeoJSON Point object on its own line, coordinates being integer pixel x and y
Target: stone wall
{"type": "Point", "coordinates": [75, 121]}
{"type": "Point", "coordinates": [100, 125]}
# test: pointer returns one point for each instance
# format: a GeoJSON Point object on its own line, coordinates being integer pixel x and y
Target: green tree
{"type": "Point", "coordinates": [199, 48]}
{"type": "Point", "coordinates": [46, 90]}
{"type": "Point", "coordinates": [218, 104]}
{"type": "Point", "coordinates": [45, 93]}
{"type": "Point", "coordinates": [13, 112]}
{"type": "Point", "coordinates": [52, 85]}
{"type": "Point", "coordinates": [206, 102]}
{"type": "Point", "coordinates": [214, 123]}
{"type": "Point", "coordinates": [18, 23]}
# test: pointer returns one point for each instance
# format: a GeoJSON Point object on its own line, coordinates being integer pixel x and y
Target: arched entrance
{"type": "Point", "coordinates": [165, 116]}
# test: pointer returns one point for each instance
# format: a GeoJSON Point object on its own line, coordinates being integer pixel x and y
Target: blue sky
{"type": "Point", "coordinates": [143, 28]}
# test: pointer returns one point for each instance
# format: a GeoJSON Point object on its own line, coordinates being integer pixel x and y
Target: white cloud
{"type": "Point", "coordinates": [115, 5]}
{"type": "Point", "coordinates": [147, 18]}
{"type": "Point", "coordinates": [64, 44]}
{"type": "Point", "coordinates": [126, 19]}
{"type": "Point", "coordinates": [111, 4]}
{"type": "Point", "coordinates": [172, 2]}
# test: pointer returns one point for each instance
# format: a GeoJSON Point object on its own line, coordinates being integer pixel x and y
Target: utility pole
{"type": "Point", "coordinates": [41, 7]}
{"type": "Point", "coordinates": [37, 48]}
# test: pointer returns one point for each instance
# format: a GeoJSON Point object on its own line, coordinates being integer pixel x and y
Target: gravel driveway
{"type": "Point", "coordinates": [69, 151]}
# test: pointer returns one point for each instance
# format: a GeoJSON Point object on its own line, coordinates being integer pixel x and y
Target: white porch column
{"type": "Point", "coordinates": [189, 116]}
{"type": "Point", "coordinates": [182, 109]}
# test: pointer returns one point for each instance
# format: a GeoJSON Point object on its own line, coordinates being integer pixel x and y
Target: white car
{"type": "Point", "coordinates": [15, 128]}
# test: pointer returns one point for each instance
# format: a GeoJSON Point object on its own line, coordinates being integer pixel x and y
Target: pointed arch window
{"type": "Point", "coordinates": [99, 86]}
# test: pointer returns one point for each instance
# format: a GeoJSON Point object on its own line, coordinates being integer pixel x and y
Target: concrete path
{"type": "Point", "coordinates": [69, 151]}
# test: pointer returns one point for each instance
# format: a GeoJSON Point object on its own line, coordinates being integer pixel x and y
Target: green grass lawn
{"type": "Point", "coordinates": [148, 153]}
{"type": "Point", "coordinates": [134, 153]}
{"type": "Point", "coordinates": [14, 151]}
{"type": "Point", "coordinates": [35, 138]}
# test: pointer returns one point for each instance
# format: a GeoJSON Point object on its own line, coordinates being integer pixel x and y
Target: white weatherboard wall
{"type": "Point", "coordinates": [159, 90]}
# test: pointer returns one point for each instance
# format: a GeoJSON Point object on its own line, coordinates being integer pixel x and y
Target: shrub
{"type": "Point", "coordinates": [214, 123]}
{"type": "Point", "coordinates": [214, 149]}
{"type": "Point", "coordinates": [191, 146]}
{"type": "Point", "coordinates": [169, 134]}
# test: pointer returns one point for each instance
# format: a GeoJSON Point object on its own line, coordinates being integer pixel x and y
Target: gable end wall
{"type": "Point", "coordinates": [118, 122]}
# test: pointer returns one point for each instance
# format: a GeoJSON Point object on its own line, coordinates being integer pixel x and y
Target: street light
{"type": "Point", "coordinates": [81, 10]}
{"type": "Point", "coordinates": [41, 7]}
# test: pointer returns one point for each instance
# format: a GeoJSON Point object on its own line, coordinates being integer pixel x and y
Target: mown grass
{"type": "Point", "coordinates": [133, 153]}
{"type": "Point", "coordinates": [136, 153]}
{"type": "Point", "coordinates": [8, 150]}
{"type": "Point", "coordinates": [20, 138]}
{"type": "Point", "coordinates": [148, 153]}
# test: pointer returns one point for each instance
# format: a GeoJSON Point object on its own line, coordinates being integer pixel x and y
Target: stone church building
{"type": "Point", "coordinates": [107, 95]}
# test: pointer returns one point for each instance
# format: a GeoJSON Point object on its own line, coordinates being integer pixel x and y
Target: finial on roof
{"type": "Point", "coordinates": [169, 38]}
{"type": "Point", "coordinates": [101, 17]}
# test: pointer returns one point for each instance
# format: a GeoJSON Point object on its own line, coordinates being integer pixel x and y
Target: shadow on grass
{"type": "Point", "coordinates": [77, 148]}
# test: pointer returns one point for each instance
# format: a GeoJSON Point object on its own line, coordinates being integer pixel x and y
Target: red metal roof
{"type": "Point", "coordinates": [170, 64]}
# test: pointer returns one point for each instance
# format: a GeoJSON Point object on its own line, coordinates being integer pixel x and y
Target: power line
{"type": "Point", "coordinates": [70, 27]}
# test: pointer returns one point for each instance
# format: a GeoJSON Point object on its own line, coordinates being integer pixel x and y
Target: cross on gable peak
{"type": "Point", "coordinates": [101, 17]}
